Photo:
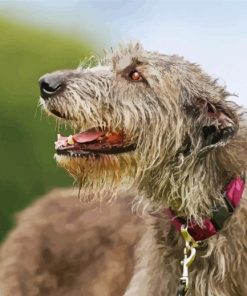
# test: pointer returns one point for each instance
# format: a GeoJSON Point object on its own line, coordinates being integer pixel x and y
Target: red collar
{"type": "Point", "coordinates": [232, 196]}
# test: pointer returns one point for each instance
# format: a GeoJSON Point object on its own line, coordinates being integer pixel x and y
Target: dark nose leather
{"type": "Point", "coordinates": [51, 84]}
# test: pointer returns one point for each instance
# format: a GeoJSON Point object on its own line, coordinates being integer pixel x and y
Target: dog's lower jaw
{"type": "Point", "coordinates": [101, 173]}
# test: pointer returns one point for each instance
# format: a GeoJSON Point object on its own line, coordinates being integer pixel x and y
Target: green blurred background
{"type": "Point", "coordinates": [26, 150]}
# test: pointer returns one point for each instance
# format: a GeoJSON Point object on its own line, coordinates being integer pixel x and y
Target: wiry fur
{"type": "Point", "coordinates": [191, 141]}
{"type": "Point", "coordinates": [102, 97]}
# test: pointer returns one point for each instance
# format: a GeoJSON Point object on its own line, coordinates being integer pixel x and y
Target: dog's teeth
{"type": "Point", "coordinates": [71, 140]}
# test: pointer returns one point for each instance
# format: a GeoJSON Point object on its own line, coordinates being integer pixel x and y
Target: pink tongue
{"type": "Point", "coordinates": [88, 136]}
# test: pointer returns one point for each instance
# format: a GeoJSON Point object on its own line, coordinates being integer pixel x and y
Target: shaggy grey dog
{"type": "Point", "coordinates": [158, 124]}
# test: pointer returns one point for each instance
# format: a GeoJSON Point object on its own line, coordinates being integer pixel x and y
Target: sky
{"type": "Point", "coordinates": [212, 33]}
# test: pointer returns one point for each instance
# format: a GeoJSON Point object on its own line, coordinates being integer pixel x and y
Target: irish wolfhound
{"type": "Point", "coordinates": [160, 124]}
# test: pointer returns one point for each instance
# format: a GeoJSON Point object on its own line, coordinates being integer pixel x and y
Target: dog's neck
{"type": "Point", "coordinates": [200, 183]}
{"type": "Point", "coordinates": [233, 194]}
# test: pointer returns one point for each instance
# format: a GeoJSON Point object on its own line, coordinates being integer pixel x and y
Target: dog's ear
{"type": "Point", "coordinates": [216, 122]}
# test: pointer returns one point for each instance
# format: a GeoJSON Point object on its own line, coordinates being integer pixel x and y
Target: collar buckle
{"type": "Point", "coordinates": [189, 257]}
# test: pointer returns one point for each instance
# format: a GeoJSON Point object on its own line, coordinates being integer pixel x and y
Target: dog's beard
{"type": "Point", "coordinates": [104, 175]}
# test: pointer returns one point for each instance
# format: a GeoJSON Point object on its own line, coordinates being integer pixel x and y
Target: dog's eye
{"type": "Point", "coordinates": [135, 75]}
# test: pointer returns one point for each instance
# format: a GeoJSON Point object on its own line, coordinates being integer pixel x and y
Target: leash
{"type": "Point", "coordinates": [189, 258]}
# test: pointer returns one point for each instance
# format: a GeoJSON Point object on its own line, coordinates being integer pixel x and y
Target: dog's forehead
{"type": "Point", "coordinates": [133, 53]}
{"type": "Point", "coordinates": [125, 55]}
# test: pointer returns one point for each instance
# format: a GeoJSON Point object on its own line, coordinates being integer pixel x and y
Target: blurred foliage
{"type": "Point", "coordinates": [26, 151]}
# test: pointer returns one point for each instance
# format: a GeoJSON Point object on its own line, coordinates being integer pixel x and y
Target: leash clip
{"type": "Point", "coordinates": [189, 257]}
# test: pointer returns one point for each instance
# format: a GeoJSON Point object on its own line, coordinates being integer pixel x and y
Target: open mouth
{"type": "Point", "coordinates": [93, 142]}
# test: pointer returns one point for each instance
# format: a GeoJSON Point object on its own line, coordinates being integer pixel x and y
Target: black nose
{"type": "Point", "coordinates": [51, 84]}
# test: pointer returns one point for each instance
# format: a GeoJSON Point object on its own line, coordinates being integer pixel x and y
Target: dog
{"type": "Point", "coordinates": [157, 125]}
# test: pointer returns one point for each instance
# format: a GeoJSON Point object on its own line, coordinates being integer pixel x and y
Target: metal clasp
{"type": "Point", "coordinates": [189, 257]}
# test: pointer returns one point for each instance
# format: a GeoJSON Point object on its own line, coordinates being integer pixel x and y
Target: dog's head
{"type": "Point", "coordinates": [138, 117]}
